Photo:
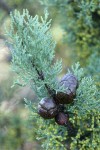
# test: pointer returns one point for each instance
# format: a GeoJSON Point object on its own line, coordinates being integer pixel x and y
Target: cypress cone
{"type": "Point", "coordinates": [70, 83]}
{"type": "Point", "coordinates": [61, 118]}
{"type": "Point", "coordinates": [47, 108]}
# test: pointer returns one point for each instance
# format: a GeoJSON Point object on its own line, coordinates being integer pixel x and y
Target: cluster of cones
{"type": "Point", "coordinates": [49, 108]}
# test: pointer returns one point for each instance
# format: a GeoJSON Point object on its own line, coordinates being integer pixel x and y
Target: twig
{"type": "Point", "coordinates": [41, 76]}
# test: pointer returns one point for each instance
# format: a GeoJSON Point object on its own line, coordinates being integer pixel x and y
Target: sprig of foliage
{"type": "Point", "coordinates": [83, 114]}
{"type": "Point", "coordinates": [77, 70]}
{"type": "Point", "coordinates": [47, 131]}
{"type": "Point", "coordinates": [33, 52]}
{"type": "Point", "coordinates": [81, 22]}
{"type": "Point", "coordinates": [87, 95]}
{"type": "Point", "coordinates": [85, 15]}
{"type": "Point", "coordinates": [33, 46]}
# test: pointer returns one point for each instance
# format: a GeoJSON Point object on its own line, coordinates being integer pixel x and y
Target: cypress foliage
{"type": "Point", "coordinates": [81, 22]}
{"type": "Point", "coordinates": [33, 60]}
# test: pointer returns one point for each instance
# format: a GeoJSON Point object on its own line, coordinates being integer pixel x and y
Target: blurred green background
{"type": "Point", "coordinates": [15, 127]}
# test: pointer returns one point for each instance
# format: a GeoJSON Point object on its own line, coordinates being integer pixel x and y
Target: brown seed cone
{"type": "Point", "coordinates": [47, 108]}
{"type": "Point", "coordinates": [70, 83]}
{"type": "Point", "coordinates": [61, 118]}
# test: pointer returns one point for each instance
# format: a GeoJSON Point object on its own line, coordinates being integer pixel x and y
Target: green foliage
{"type": "Point", "coordinates": [93, 67]}
{"type": "Point", "coordinates": [88, 96]}
{"type": "Point", "coordinates": [49, 133]}
{"type": "Point", "coordinates": [84, 114]}
{"type": "Point", "coordinates": [32, 42]}
{"type": "Point", "coordinates": [81, 22]}
{"type": "Point", "coordinates": [88, 134]}
{"type": "Point", "coordinates": [33, 61]}
{"type": "Point", "coordinates": [14, 131]}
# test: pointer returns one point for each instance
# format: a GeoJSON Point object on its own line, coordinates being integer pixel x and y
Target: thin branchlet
{"type": "Point", "coordinates": [41, 77]}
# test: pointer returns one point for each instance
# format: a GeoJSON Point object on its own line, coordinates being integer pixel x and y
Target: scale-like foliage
{"type": "Point", "coordinates": [87, 93]}
{"type": "Point", "coordinates": [84, 114]}
{"type": "Point", "coordinates": [81, 22]}
{"type": "Point", "coordinates": [33, 52]}
{"type": "Point", "coordinates": [33, 61]}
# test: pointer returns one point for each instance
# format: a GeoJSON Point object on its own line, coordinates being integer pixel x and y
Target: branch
{"type": "Point", "coordinates": [41, 76]}
{"type": "Point", "coordinates": [72, 131]}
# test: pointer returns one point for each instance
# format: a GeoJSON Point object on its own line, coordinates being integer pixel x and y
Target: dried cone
{"type": "Point", "coordinates": [61, 118]}
{"type": "Point", "coordinates": [47, 108]}
{"type": "Point", "coordinates": [70, 83]}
